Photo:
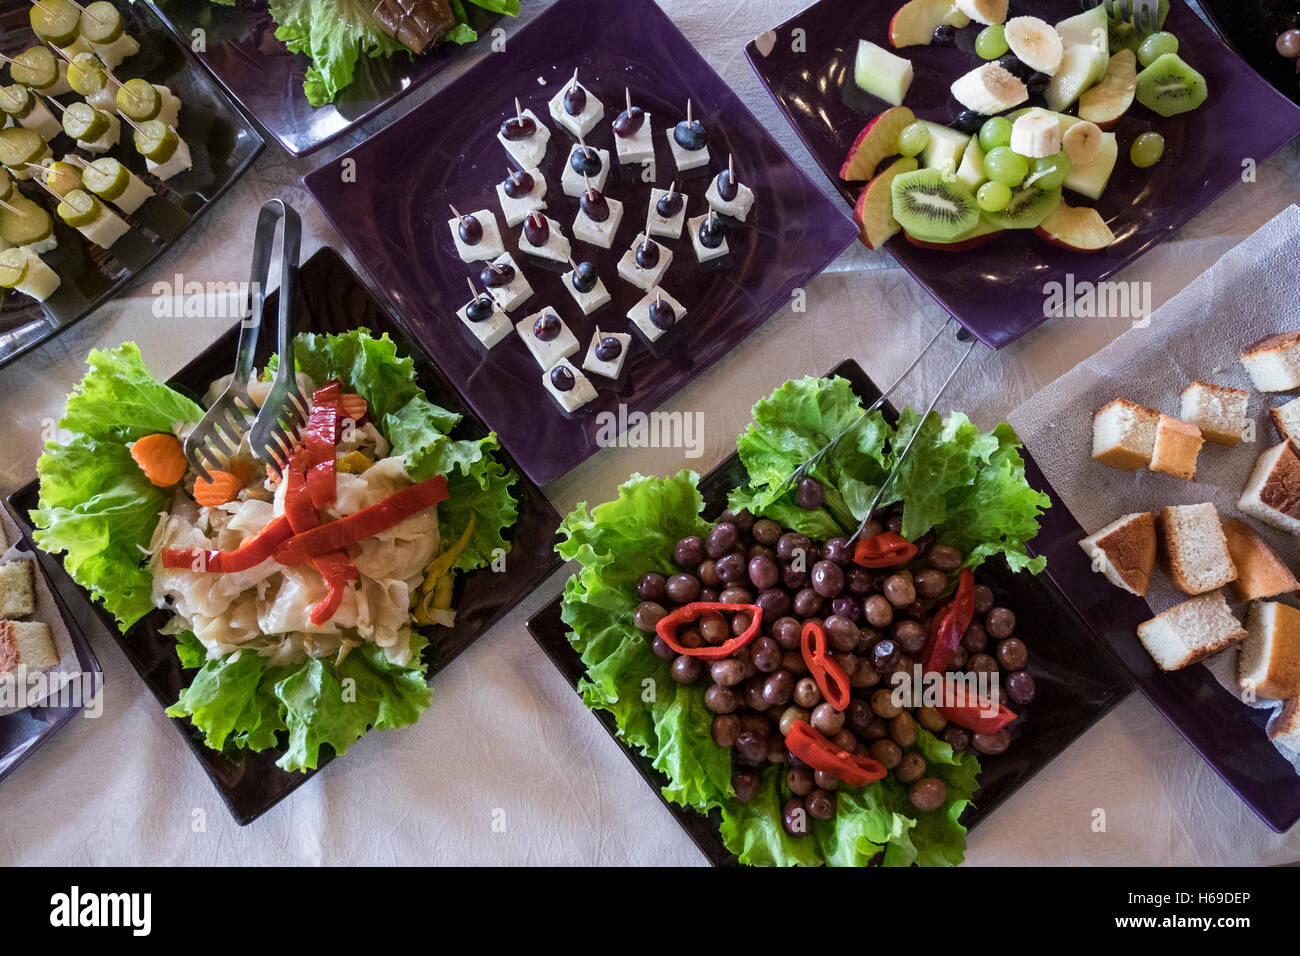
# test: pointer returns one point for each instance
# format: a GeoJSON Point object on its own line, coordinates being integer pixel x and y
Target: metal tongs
{"type": "Point", "coordinates": [275, 429]}
{"type": "Point", "coordinates": [826, 449]}
{"type": "Point", "coordinates": [1145, 14]}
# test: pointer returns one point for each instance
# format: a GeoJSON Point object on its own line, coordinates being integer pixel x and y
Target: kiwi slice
{"type": "Point", "coordinates": [1027, 209]}
{"type": "Point", "coordinates": [931, 207]}
{"type": "Point", "coordinates": [36, 67]}
{"type": "Point", "coordinates": [13, 267]}
{"type": "Point", "coordinates": [16, 100]}
{"type": "Point", "coordinates": [79, 208]}
{"type": "Point", "coordinates": [100, 22]}
{"type": "Point", "coordinates": [25, 222]}
{"type": "Point", "coordinates": [56, 21]}
{"type": "Point", "coordinates": [82, 121]}
{"type": "Point", "coordinates": [1169, 86]}
{"type": "Point", "coordinates": [106, 178]}
{"type": "Point", "coordinates": [138, 100]}
{"type": "Point", "coordinates": [86, 74]}
{"type": "Point", "coordinates": [155, 140]}
{"type": "Point", "coordinates": [19, 145]}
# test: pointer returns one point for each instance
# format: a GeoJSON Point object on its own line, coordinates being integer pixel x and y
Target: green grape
{"type": "Point", "coordinates": [1051, 172]}
{"type": "Point", "coordinates": [1004, 165]}
{"type": "Point", "coordinates": [913, 138]}
{"type": "Point", "coordinates": [993, 197]}
{"type": "Point", "coordinates": [1147, 150]}
{"type": "Point", "coordinates": [1156, 46]}
{"type": "Point", "coordinates": [995, 132]}
{"type": "Point", "coordinates": [991, 42]}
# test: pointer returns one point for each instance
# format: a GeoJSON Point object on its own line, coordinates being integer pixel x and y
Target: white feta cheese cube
{"type": "Point", "coordinates": [703, 252]}
{"type": "Point", "coordinates": [491, 330]}
{"type": "Point", "coordinates": [600, 234]}
{"type": "Point", "coordinates": [136, 193]}
{"type": "Point", "coordinates": [108, 140]}
{"type": "Point", "coordinates": [489, 245]}
{"type": "Point", "coordinates": [170, 111]}
{"type": "Point", "coordinates": [588, 301]}
{"type": "Point", "coordinates": [686, 159]}
{"type": "Point", "coordinates": [41, 120]}
{"type": "Point", "coordinates": [669, 228]}
{"type": "Point", "coordinates": [112, 54]}
{"type": "Point", "coordinates": [644, 278]}
{"type": "Point", "coordinates": [179, 162]}
{"type": "Point", "coordinates": [737, 208]}
{"type": "Point", "coordinates": [640, 313]}
{"type": "Point", "coordinates": [574, 398]}
{"type": "Point", "coordinates": [637, 148]}
{"type": "Point", "coordinates": [515, 292]}
{"type": "Point", "coordinates": [547, 352]}
{"type": "Point", "coordinates": [517, 208]}
{"type": "Point", "coordinates": [571, 180]}
{"type": "Point", "coordinates": [107, 228]}
{"type": "Point", "coordinates": [556, 247]}
{"type": "Point", "coordinates": [529, 151]}
{"type": "Point", "coordinates": [610, 368]}
{"type": "Point", "coordinates": [582, 124]}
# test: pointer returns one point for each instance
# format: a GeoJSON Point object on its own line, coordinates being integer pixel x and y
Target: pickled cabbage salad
{"type": "Point", "coordinates": [297, 598]}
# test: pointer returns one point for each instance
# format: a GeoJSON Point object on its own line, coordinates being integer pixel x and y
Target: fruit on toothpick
{"type": "Point", "coordinates": [881, 73]}
{"type": "Point", "coordinates": [1169, 86]}
{"type": "Point", "coordinates": [930, 206]}
{"type": "Point", "coordinates": [878, 139]}
{"type": "Point", "coordinates": [1028, 207]}
{"type": "Point", "coordinates": [1110, 99]}
{"type": "Point", "coordinates": [1036, 134]}
{"type": "Point", "coordinates": [914, 23]}
{"type": "Point", "coordinates": [991, 42]}
{"type": "Point", "coordinates": [1156, 46]}
{"type": "Point", "coordinates": [993, 197]}
{"type": "Point", "coordinates": [982, 234]}
{"type": "Point", "coordinates": [1082, 142]}
{"type": "Point", "coordinates": [1080, 229]}
{"type": "Point", "coordinates": [1082, 66]}
{"type": "Point", "coordinates": [874, 210]}
{"type": "Point", "coordinates": [945, 149]}
{"type": "Point", "coordinates": [1035, 43]}
{"type": "Point", "coordinates": [1003, 164]}
{"type": "Point", "coordinates": [1146, 150]}
{"type": "Point", "coordinates": [989, 89]}
{"type": "Point", "coordinates": [984, 11]}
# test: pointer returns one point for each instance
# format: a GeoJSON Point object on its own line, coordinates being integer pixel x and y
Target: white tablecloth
{"type": "Point", "coordinates": [506, 738]}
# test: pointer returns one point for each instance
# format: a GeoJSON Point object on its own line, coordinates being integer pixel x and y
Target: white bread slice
{"type": "Point", "coordinates": [1286, 419]}
{"type": "Point", "coordinates": [26, 642]}
{"type": "Point", "coordinates": [1260, 572]}
{"type": "Point", "coordinates": [1194, 550]}
{"type": "Point", "coordinates": [1190, 632]}
{"type": "Point", "coordinates": [1177, 445]}
{"type": "Point", "coordinates": [1124, 434]}
{"type": "Point", "coordinates": [1274, 362]}
{"type": "Point", "coordinates": [1285, 728]}
{"type": "Point", "coordinates": [17, 594]}
{"type": "Point", "coordinates": [1273, 492]}
{"type": "Point", "coordinates": [1269, 663]}
{"type": "Point", "coordinates": [1125, 551]}
{"type": "Point", "coordinates": [1218, 411]}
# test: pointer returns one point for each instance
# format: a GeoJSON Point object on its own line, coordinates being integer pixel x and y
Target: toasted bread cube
{"type": "Point", "coordinates": [1191, 631]}
{"type": "Point", "coordinates": [1286, 419]}
{"type": "Point", "coordinates": [1273, 492]}
{"type": "Point", "coordinates": [1177, 445]}
{"type": "Point", "coordinates": [1124, 434]}
{"type": "Point", "coordinates": [1269, 664]}
{"type": "Point", "coordinates": [17, 592]}
{"type": "Point", "coordinates": [1125, 551]}
{"type": "Point", "coordinates": [26, 643]}
{"type": "Point", "coordinates": [1274, 362]}
{"type": "Point", "coordinates": [1260, 572]}
{"type": "Point", "coordinates": [1285, 728]}
{"type": "Point", "coordinates": [1218, 411]}
{"type": "Point", "coordinates": [1195, 551]}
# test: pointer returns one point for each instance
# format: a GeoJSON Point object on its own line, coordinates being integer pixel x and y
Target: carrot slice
{"type": "Point", "coordinates": [354, 407]}
{"type": "Point", "coordinates": [161, 458]}
{"type": "Point", "coordinates": [225, 486]}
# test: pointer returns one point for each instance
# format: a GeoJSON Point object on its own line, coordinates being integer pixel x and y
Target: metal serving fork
{"type": "Point", "coordinates": [1145, 14]}
{"type": "Point", "coordinates": [218, 435]}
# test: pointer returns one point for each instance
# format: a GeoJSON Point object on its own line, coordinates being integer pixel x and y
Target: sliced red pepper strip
{"type": "Point", "coordinates": [337, 570]}
{"type": "Point", "coordinates": [320, 440]}
{"type": "Point", "coordinates": [366, 523]}
{"type": "Point", "coordinates": [297, 500]}
{"type": "Point", "coordinates": [248, 555]}
{"type": "Point", "coordinates": [336, 567]}
{"type": "Point", "coordinates": [948, 625]}
{"type": "Point", "coordinates": [885, 550]}
{"type": "Point", "coordinates": [687, 613]}
{"type": "Point", "coordinates": [831, 679]}
{"type": "Point", "coordinates": [821, 754]}
{"type": "Point", "coordinates": [973, 715]}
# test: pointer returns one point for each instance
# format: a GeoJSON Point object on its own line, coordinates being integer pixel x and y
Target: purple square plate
{"type": "Point", "coordinates": [22, 732]}
{"type": "Point", "coordinates": [1077, 677]}
{"type": "Point", "coordinates": [266, 79]}
{"type": "Point", "coordinates": [223, 143]}
{"type": "Point", "coordinates": [997, 290]}
{"type": "Point", "coordinates": [393, 214]}
{"type": "Point", "coordinates": [333, 299]}
{"type": "Point", "coordinates": [1252, 29]}
{"type": "Point", "coordinates": [1231, 737]}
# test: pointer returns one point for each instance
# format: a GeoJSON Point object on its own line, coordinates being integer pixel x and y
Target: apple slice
{"type": "Point", "coordinates": [1078, 228]}
{"type": "Point", "coordinates": [874, 210]}
{"type": "Point", "coordinates": [914, 23]}
{"type": "Point", "coordinates": [878, 139]}
{"type": "Point", "coordinates": [1110, 99]}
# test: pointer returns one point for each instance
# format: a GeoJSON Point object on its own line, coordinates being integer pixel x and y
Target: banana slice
{"type": "Point", "coordinates": [989, 89]}
{"type": "Point", "coordinates": [1036, 43]}
{"type": "Point", "coordinates": [984, 11]}
{"type": "Point", "coordinates": [1036, 134]}
{"type": "Point", "coordinates": [1081, 142]}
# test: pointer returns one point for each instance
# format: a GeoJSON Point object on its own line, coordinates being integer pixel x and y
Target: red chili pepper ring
{"type": "Point", "coordinates": [687, 613]}
{"type": "Point", "coordinates": [821, 754]}
{"type": "Point", "coordinates": [831, 679]}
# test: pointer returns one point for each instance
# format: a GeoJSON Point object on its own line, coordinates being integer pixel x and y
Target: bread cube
{"type": "Point", "coordinates": [1124, 434]}
{"type": "Point", "coordinates": [1195, 551]}
{"type": "Point", "coordinates": [1190, 632]}
{"type": "Point", "coordinates": [17, 592]}
{"type": "Point", "coordinates": [1272, 494]}
{"type": "Point", "coordinates": [1260, 572]}
{"type": "Point", "coordinates": [1218, 411]}
{"type": "Point", "coordinates": [1274, 362]}
{"type": "Point", "coordinates": [1269, 664]}
{"type": "Point", "coordinates": [1125, 551]}
{"type": "Point", "coordinates": [1177, 445]}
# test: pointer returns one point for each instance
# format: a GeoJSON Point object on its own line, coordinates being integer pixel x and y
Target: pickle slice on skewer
{"type": "Point", "coordinates": [16, 100]}
{"type": "Point", "coordinates": [156, 141]}
{"type": "Point", "coordinates": [13, 267]}
{"type": "Point", "coordinates": [22, 270]}
{"type": "Point", "coordinates": [137, 100]}
{"type": "Point", "coordinates": [39, 68]}
{"type": "Point", "coordinates": [101, 22]}
{"type": "Point", "coordinates": [56, 21]}
{"type": "Point", "coordinates": [83, 122]}
{"type": "Point", "coordinates": [86, 74]}
{"type": "Point", "coordinates": [19, 145]}
{"type": "Point", "coordinates": [79, 208]}
{"type": "Point", "coordinates": [6, 185]}
{"type": "Point", "coordinates": [25, 222]}
{"type": "Point", "coordinates": [106, 178]}
{"type": "Point", "coordinates": [62, 177]}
